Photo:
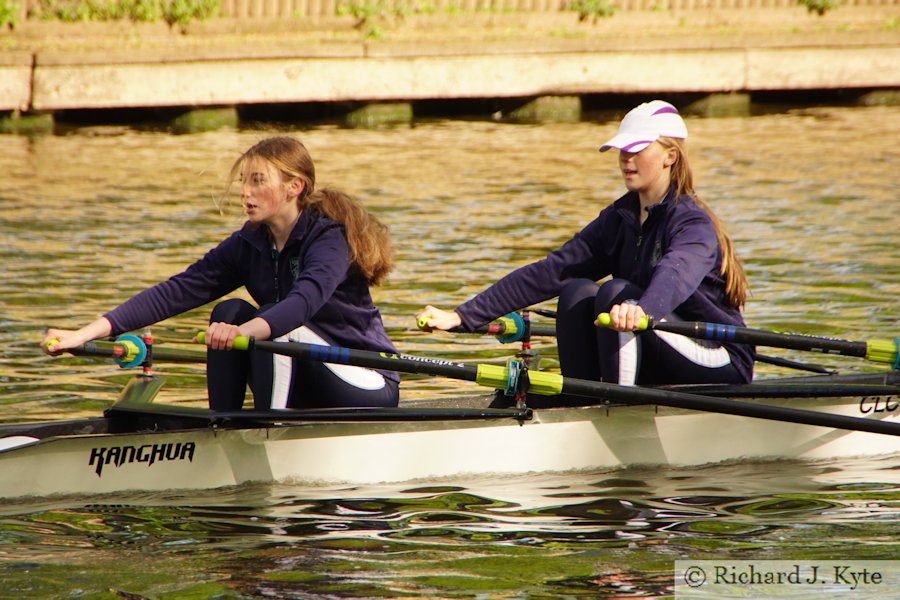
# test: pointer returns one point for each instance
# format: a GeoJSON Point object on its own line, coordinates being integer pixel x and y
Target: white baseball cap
{"type": "Point", "coordinates": [645, 124]}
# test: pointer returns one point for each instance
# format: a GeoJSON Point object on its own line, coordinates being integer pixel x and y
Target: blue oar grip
{"type": "Point", "coordinates": [719, 332]}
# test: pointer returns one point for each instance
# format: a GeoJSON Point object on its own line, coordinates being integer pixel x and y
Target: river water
{"type": "Point", "coordinates": [95, 214]}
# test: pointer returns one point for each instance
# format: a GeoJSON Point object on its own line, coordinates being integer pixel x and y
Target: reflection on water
{"type": "Point", "coordinates": [601, 534]}
{"type": "Point", "coordinates": [90, 218]}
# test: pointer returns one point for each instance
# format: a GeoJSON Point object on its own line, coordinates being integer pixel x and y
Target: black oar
{"type": "Point", "coordinates": [512, 328]}
{"type": "Point", "coordinates": [882, 351]}
{"type": "Point", "coordinates": [508, 331]}
{"type": "Point", "coordinates": [793, 364]}
{"type": "Point", "coordinates": [546, 383]}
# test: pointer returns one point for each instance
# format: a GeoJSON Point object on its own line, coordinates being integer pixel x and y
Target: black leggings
{"type": "Point", "coordinates": [312, 384]}
{"type": "Point", "coordinates": [590, 352]}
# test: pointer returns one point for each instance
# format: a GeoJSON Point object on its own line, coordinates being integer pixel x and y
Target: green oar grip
{"type": "Point", "coordinates": [512, 328]}
{"type": "Point", "coordinates": [135, 351]}
{"type": "Point", "coordinates": [493, 376]}
{"type": "Point", "coordinates": [241, 342]}
{"type": "Point", "coordinates": [545, 383]}
{"type": "Point", "coordinates": [539, 382]}
{"type": "Point", "coordinates": [884, 351]}
{"type": "Point", "coordinates": [604, 320]}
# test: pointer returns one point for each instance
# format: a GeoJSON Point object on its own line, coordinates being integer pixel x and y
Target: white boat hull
{"type": "Point", "coordinates": [554, 440]}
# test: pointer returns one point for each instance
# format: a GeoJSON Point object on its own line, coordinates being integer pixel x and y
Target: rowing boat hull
{"type": "Point", "coordinates": [367, 452]}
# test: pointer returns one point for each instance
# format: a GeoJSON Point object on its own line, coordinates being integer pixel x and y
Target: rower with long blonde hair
{"type": "Point", "coordinates": [659, 250]}
{"type": "Point", "coordinates": [307, 258]}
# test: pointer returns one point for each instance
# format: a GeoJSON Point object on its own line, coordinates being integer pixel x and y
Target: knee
{"type": "Point", "coordinates": [576, 291]}
{"type": "Point", "coordinates": [233, 310]}
{"type": "Point", "coordinates": [615, 291]}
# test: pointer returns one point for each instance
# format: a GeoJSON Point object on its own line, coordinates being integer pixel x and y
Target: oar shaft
{"type": "Point", "coordinates": [365, 358]}
{"type": "Point", "coordinates": [507, 329]}
{"type": "Point", "coordinates": [502, 328]}
{"type": "Point", "coordinates": [125, 352]}
{"type": "Point", "coordinates": [545, 383]}
{"type": "Point", "coordinates": [884, 351]}
{"type": "Point", "coordinates": [104, 349]}
{"type": "Point", "coordinates": [761, 337]}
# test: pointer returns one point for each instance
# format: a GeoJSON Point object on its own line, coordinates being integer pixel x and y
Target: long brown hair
{"type": "Point", "coordinates": [682, 178]}
{"type": "Point", "coordinates": [370, 245]}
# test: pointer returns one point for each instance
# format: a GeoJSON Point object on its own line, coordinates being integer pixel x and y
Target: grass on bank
{"type": "Point", "coordinates": [180, 13]}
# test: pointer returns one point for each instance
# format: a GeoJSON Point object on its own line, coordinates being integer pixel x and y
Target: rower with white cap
{"type": "Point", "coordinates": [660, 251]}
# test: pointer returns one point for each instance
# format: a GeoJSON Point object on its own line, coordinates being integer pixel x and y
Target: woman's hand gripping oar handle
{"type": "Point", "coordinates": [605, 320]}
{"type": "Point", "coordinates": [241, 342]}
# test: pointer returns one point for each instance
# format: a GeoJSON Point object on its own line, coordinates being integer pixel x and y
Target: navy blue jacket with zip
{"type": "Point", "coordinates": [310, 281]}
{"type": "Point", "coordinates": [675, 257]}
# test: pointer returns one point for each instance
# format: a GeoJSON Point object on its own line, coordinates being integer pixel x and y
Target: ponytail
{"type": "Point", "coordinates": [736, 285]}
{"type": "Point", "coordinates": [371, 250]}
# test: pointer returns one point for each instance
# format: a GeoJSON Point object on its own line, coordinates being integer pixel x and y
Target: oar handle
{"type": "Point", "coordinates": [241, 342]}
{"type": "Point", "coordinates": [882, 351]}
{"type": "Point", "coordinates": [604, 320]}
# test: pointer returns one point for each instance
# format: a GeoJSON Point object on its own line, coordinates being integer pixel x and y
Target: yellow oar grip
{"type": "Point", "coordinates": [604, 320]}
{"type": "Point", "coordinates": [493, 376]}
{"type": "Point", "coordinates": [132, 350]}
{"type": "Point", "coordinates": [539, 382]}
{"type": "Point", "coordinates": [509, 325]}
{"type": "Point", "coordinates": [544, 383]}
{"type": "Point", "coordinates": [241, 342]}
{"type": "Point", "coordinates": [883, 351]}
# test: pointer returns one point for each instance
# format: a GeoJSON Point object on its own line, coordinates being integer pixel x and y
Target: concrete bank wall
{"type": "Point", "coordinates": [223, 82]}
{"type": "Point", "coordinates": [16, 77]}
{"type": "Point", "coordinates": [229, 63]}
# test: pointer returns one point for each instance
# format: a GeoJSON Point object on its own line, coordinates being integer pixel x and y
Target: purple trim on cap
{"type": "Point", "coordinates": [666, 109]}
{"type": "Point", "coordinates": [633, 144]}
